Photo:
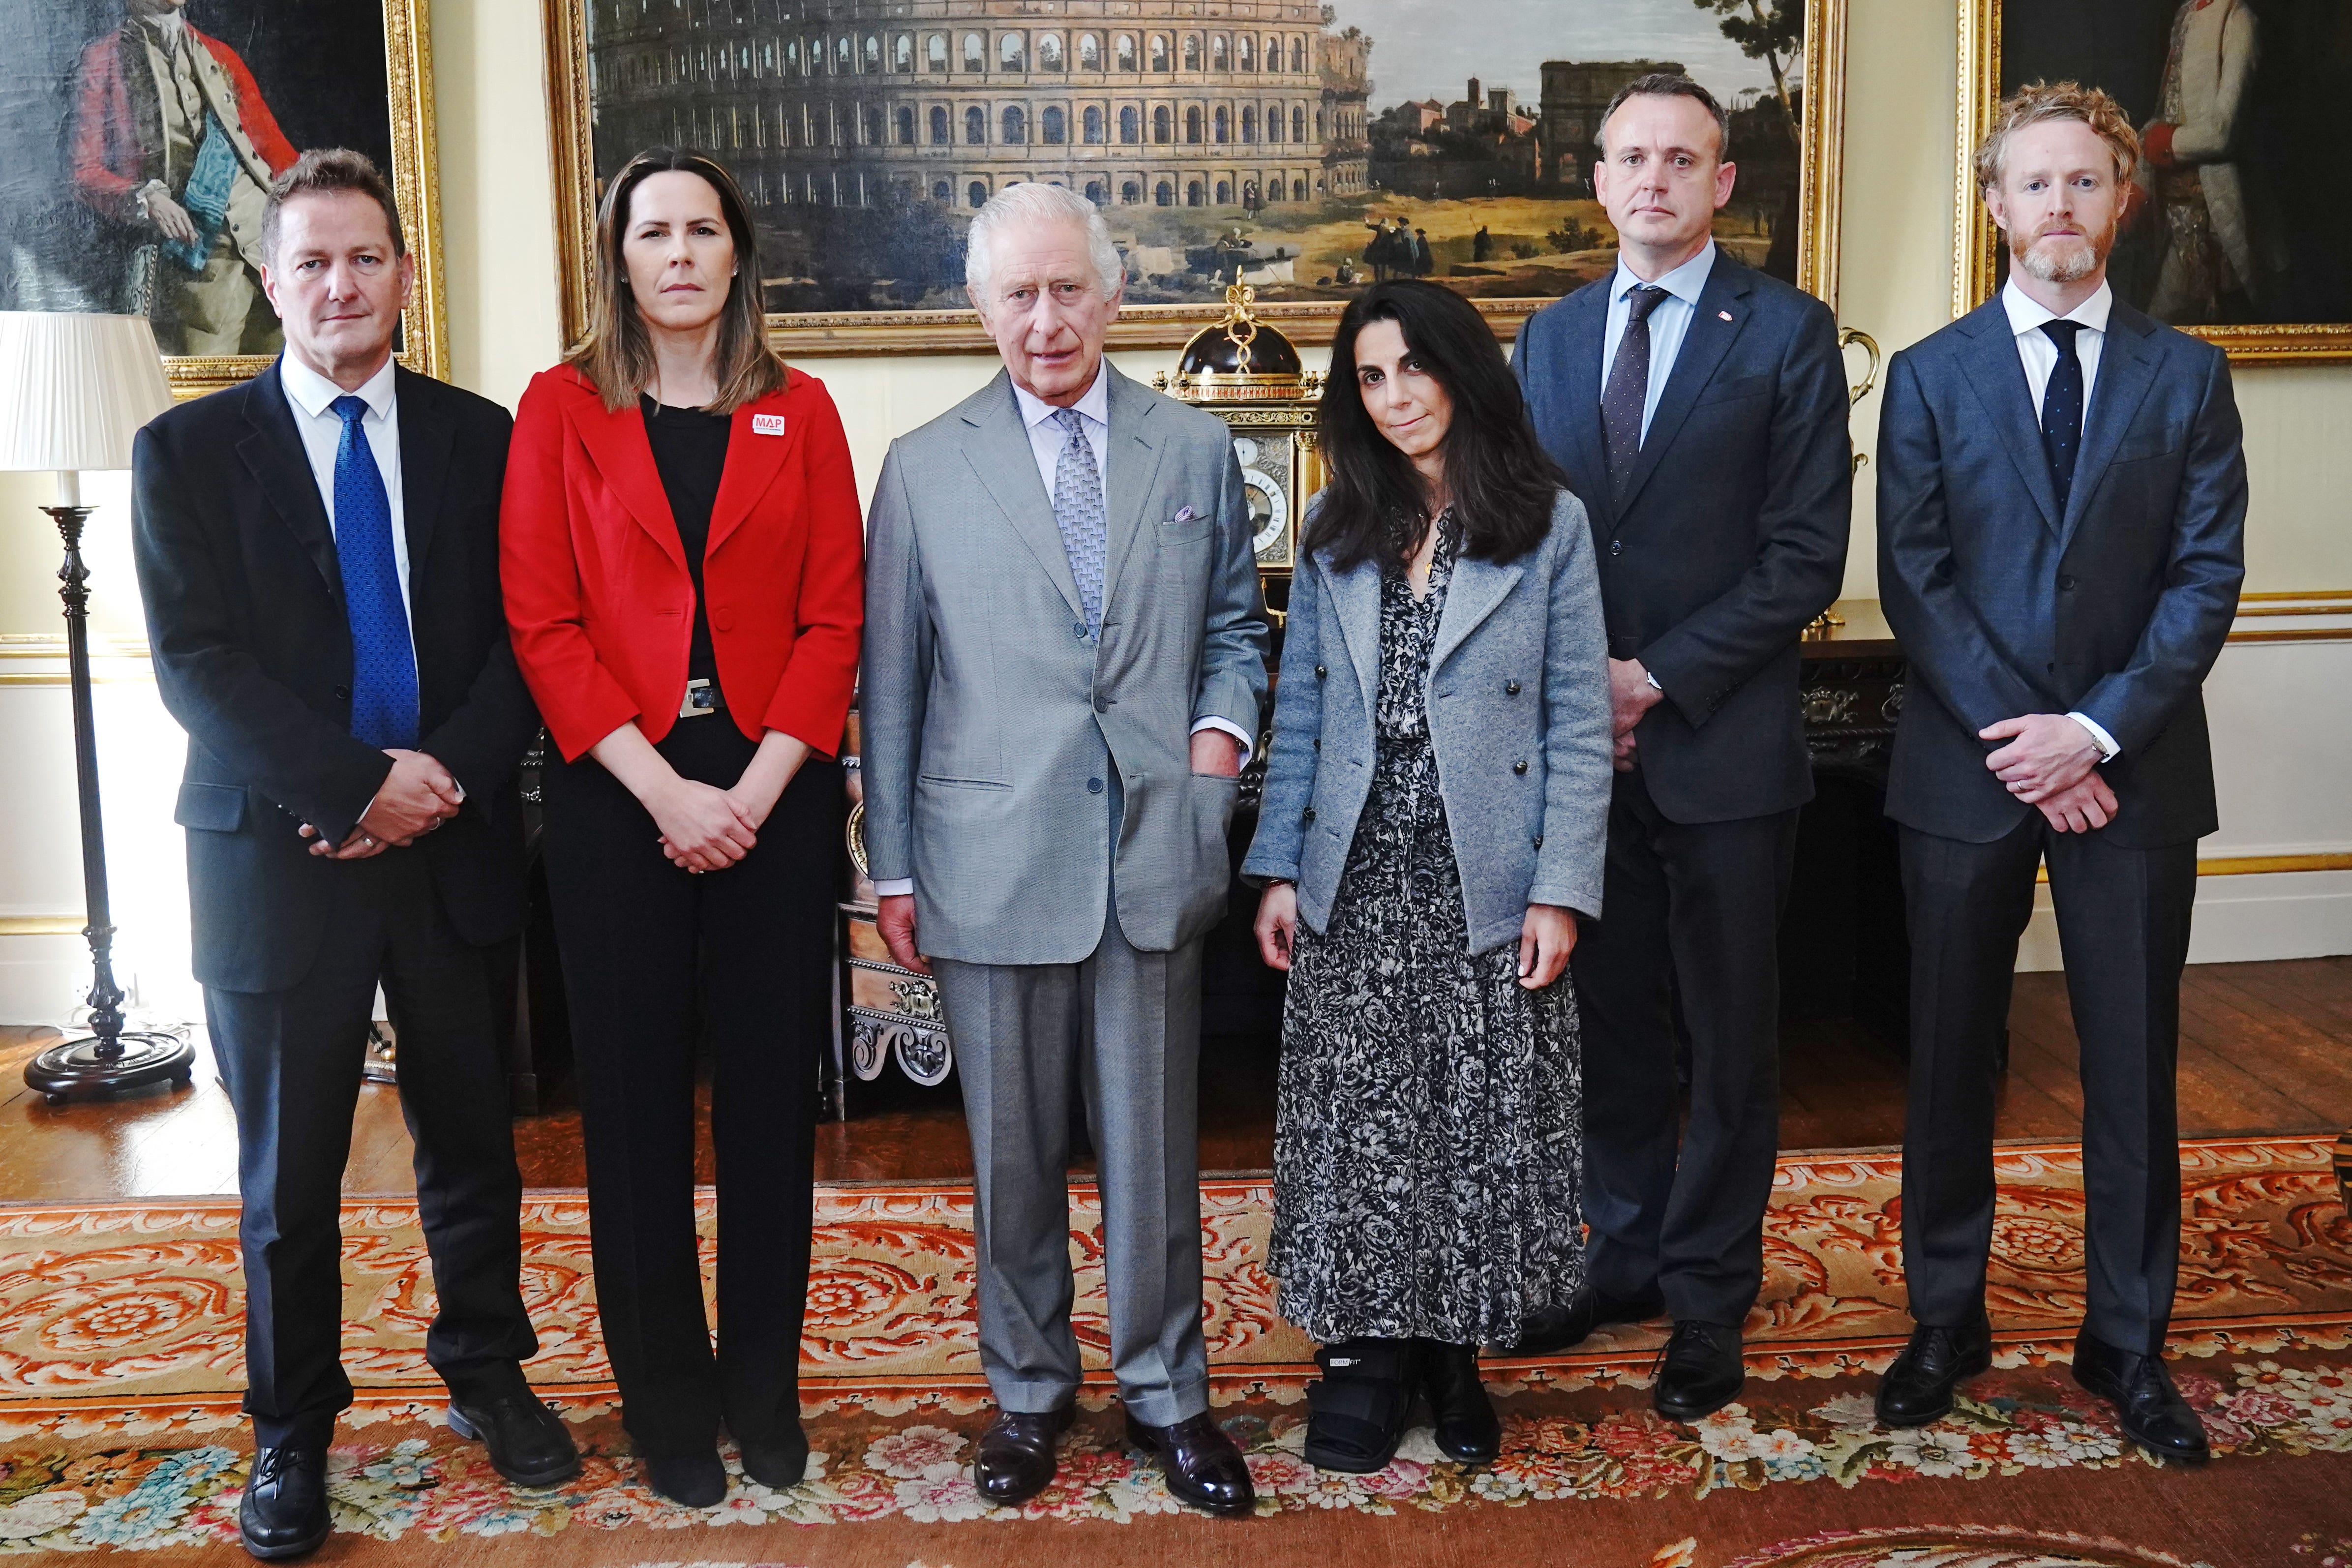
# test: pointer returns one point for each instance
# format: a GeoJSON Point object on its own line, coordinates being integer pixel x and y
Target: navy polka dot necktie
{"type": "Point", "coordinates": [384, 661]}
{"type": "Point", "coordinates": [2062, 410]}
{"type": "Point", "coordinates": [1627, 393]}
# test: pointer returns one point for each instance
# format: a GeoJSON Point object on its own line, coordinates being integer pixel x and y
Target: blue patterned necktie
{"type": "Point", "coordinates": [1628, 391]}
{"type": "Point", "coordinates": [384, 661]}
{"type": "Point", "coordinates": [1078, 512]}
{"type": "Point", "coordinates": [2062, 410]}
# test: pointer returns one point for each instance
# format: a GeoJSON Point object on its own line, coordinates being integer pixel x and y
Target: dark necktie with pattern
{"type": "Point", "coordinates": [2062, 409]}
{"type": "Point", "coordinates": [1628, 391]}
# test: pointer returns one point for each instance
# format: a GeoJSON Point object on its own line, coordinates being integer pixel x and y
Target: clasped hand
{"type": "Point", "coordinates": [419, 796]}
{"type": "Point", "coordinates": [1630, 696]}
{"type": "Point", "coordinates": [2051, 763]}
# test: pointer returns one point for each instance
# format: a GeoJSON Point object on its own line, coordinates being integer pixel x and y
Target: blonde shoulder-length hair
{"type": "Point", "coordinates": [617, 356]}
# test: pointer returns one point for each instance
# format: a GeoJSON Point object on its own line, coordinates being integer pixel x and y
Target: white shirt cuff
{"type": "Point", "coordinates": [896, 887]}
{"type": "Point", "coordinates": [1230, 728]}
{"type": "Point", "coordinates": [2108, 750]}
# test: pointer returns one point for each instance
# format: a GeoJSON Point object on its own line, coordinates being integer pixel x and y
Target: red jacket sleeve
{"type": "Point", "coordinates": [252, 112]}
{"type": "Point", "coordinates": [811, 700]}
{"type": "Point", "coordinates": [97, 87]}
{"type": "Point", "coordinates": [577, 696]}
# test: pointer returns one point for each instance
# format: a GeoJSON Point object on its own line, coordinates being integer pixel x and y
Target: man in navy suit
{"type": "Point", "coordinates": [2061, 502]}
{"type": "Point", "coordinates": [1699, 410]}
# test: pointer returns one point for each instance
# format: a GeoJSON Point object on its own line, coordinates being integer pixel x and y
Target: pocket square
{"type": "Point", "coordinates": [1187, 515]}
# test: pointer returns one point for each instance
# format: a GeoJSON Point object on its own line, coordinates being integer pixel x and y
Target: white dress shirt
{"type": "Point", "coordinates": [1670, 320]}
{"type": "Point", "coordinates": [2040, 356]}
{"type": "Point", "coordinates": [311, 396]}
{"type": "Point", "coordinates": [1046, 439]}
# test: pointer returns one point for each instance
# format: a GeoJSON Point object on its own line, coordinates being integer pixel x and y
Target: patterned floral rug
{"type": "Point", "coordinates": [119, 1359]}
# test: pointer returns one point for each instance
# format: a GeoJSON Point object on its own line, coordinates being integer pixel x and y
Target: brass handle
{"type": "Point", "coordinates": [1857, 390]}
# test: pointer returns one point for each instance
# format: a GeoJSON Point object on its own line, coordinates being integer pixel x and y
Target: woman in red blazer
{"type": "Point", "coordinates": [682, 559]}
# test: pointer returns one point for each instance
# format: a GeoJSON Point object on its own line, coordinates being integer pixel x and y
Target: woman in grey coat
{"type": "Point", "coordinates": [1436, 812]}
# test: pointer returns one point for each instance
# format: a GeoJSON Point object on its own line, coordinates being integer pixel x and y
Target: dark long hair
{"type": "Point", "coordinates": [617, 356]}
{"type": "Point", "coordinates": [1502, 483]}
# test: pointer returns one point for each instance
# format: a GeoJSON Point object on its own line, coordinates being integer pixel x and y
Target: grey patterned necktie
{"type": "Point", "coordinates": [1078, 512]}
{"type": "Point", "coordinates": [1628, 391]}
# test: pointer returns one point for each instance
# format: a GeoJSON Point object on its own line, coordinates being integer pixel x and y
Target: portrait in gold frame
{"type": "Point", "coordinates": [1976, 241]}
{"type": "Point", "coordinates": [575, 109]}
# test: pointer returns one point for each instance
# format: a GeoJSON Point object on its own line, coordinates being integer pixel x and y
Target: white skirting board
{"type": "Point", "coordinates": [2289, 914]}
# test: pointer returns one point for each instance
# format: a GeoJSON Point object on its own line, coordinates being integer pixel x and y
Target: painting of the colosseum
{"type": "Point", "coordinates": [1305, 149]}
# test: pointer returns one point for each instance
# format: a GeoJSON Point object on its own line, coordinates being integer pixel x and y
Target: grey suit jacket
{"type": "Point", "coordinates": [1519, 713]}
{"type": "Point", "coordinates": [990, 723]}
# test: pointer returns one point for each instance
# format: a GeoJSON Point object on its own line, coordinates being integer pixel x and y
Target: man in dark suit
{"type": "Point", "coordinates": [2062, 501]}
{"type": "Point", "coordinates": [1698, 408]}
{"type": "Point", "coordinates": [318, 550]}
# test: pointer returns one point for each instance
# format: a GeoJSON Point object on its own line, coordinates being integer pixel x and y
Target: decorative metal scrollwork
{"type": "Point", "coordinates": [1849, 337]}
{"type": "Point", "coordinates": [917, 998]}
{"type": "Point", "coordinates": [1892, 708]}
{"type": "Point", "coordinates": [867, 1048]}
{"type": "Point", "coordinates": [1829, 705]}
{"type": "Point", "coordinates": [924, 1055]}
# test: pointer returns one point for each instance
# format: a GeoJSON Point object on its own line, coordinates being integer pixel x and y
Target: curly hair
{"type": "Point", "coordinates": [2047, 100]}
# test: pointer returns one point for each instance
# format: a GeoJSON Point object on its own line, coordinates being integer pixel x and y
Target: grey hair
{"type": "Point", "coordinates": [1034, 202]}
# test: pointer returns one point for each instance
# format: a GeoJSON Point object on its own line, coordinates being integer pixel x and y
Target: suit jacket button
{"type": "Point", "coordinates": [1616, 547]}
{"type": "Point", "coordinates": [1320, 672]}
{"type": "Point", "coordinates": [1102, 704]}
{"type": "Point", "coordinates": [2066, 582]}
{"type": "Point", "coordinates": [1094, 786]}
{"type": "Point", "coordinates": [342, 694]}
{"type": "Point", "coordinates": [1078, 630]}
{"type": "Point", "coordinates": [1510, 689]}
{"type": "Point", "coordinates": [1519, 767]}
{"type": "Point", "coordinates": [1306, 815]}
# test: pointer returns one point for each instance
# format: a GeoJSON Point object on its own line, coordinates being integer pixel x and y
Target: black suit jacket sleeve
{"type": "Point", "coordinates": [1802, 536]}
{"type": "Point", "coordinates": [483, 740]}
{"type": "Point", "coordinates": [1948, 647]}
{"type": "Point", "coordinates": [2202, 574]}
{"type": "Point", "coordinates": [216, 689]}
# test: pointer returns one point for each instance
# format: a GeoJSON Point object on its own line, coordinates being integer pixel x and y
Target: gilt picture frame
{"type": "Point", "coordinates": [137, 144]}
{"type": "Point", "coordinates": [2209, 246]}
{"type": "Point", "coordinates": [863, 138]}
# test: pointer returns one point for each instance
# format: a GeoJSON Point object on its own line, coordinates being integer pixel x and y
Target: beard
{"type": "Point", "coordinates": [2062, 259]}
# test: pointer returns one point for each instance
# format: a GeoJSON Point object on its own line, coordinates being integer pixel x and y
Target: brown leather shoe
{"type": "Point", "coordinates": [1201, 1465]}
{"type": "Point", "coordinates": [1014, 1461]}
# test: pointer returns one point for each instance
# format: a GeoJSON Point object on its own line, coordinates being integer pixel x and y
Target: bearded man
{"type": "Point", "coordinates": [2061, 504]}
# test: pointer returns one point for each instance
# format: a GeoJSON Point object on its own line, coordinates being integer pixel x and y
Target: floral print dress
{"type": "Point", "coordinates": [1428, 1125]}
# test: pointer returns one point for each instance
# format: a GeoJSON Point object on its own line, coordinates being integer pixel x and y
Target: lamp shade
{"type": "Point", "coordinates": [74, 389]}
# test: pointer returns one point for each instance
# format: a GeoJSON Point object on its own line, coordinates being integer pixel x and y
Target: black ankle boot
{"type": "Point", "coordinates": [1468, 1431]}
{"type": "Point", "coordinates": [1357, 1409]}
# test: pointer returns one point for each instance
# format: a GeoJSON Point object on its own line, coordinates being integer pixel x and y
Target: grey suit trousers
{"type": "Point", "coordinates": [1123, 1027]}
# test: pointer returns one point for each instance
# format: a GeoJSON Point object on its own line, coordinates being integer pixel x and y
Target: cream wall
{"type": "Point", "coordinates": [2279, 709]}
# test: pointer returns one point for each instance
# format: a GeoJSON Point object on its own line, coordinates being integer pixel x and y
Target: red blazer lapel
{"type": "Point", "coordinates": [756, 450]}
{"type": "Point", "coordinates": [616, 445]}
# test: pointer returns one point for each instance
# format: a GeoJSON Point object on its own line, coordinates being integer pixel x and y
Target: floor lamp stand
{"type": "Point", "coordinates": [107, 1061]}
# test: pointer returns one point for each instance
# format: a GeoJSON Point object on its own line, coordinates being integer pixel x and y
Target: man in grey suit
{"type": "Point", "coordinates": [1064, 658]}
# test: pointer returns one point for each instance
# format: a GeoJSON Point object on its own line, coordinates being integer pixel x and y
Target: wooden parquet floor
{"type": "Point", "coordinates": [2265, 1047]}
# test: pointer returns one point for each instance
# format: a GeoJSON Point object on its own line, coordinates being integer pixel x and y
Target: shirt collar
{"type": "Point", "coordinates": [1095, 404]}
{"type": "Point", "coordinates": [314, 394]}
{"type": "Point", "coordinates": [2026, 314]}
{"type": "Point", "coordinates": [1683, 282]}
{"type": "Point", "coordinates": [169, 27]}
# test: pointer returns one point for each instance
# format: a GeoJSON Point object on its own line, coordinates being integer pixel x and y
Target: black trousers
{"type": "Point", "coordinates": [293, 1062]}
{"type": "Point", "coordinates": [1694, 907]}
{"type": "Point", "coordinates": [649, 952]}
{"type": "Point", "coordinates": [2123, 921]}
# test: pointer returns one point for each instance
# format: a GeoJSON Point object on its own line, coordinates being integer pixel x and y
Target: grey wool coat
{"type": "Point", "coordinates": [1519, 715]}
{"type": "Point", "coordinates": [999, 741]}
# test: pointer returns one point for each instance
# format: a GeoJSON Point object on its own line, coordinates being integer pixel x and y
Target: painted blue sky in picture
{"type": "Point", "coordinates": [1429, 48]}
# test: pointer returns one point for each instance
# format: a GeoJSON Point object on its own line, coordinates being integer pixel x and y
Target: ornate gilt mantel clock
{"type": "Point", "coordinates": [889, 1030]}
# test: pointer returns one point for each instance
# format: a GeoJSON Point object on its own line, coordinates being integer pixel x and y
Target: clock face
{"type": "Point", "coordinates": [1269, 512]}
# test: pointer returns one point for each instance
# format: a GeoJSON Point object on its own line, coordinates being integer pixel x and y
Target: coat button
{"type": "Point", "coordinates": [2066, 582]}
{"type": "Point", "coordinates": [1538, 840]}
{"type": "Point", "coordinates": [1102, 704]}
{"type": "Point", "coordinates": [1320, 672]}
{"type": "Point", "coordinates": [1306, 815]}
{"type": "Point", "coordinates": [1519, 767]}
{"type": "Point", "coordinates": [1078, 630]}
{"type": "Point", "coordinates": [1319, 742]}
{"type": "Point", "coordinates": [342, 694]}
{"type": "Point", "coordinates": [1094, 786]}
{"type": "Point", "coordinates": [1616, 547]}
{"type": "Point", "coordinates": [1510, 689]}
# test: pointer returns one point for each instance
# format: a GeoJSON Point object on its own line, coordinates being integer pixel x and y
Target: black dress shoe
{"type": "Point", "coordinates": [2147, 1408]}
{"type": "Point", "coordinates": [1552, 1330]}
{"type": "Point", "coordinates": [527, 1442]}
{"type": "Point", "coordinates": [1201, 1465]}
{"type": "Point", "coordinates": [284, 1512]}
{"type": "Point", "coordinates": [1918, 1389]}
{"type": "Point", "coordinates": [1699, 1371]}
{"type": "Point", "coordinates": [1468, 1432]}
{"type": "Point", "coordinates": [1014, 1461]}
{"type": "Point", "coordinates": [779, 1463]}
{"type": "Point", "coordinates": [696, 1479]}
